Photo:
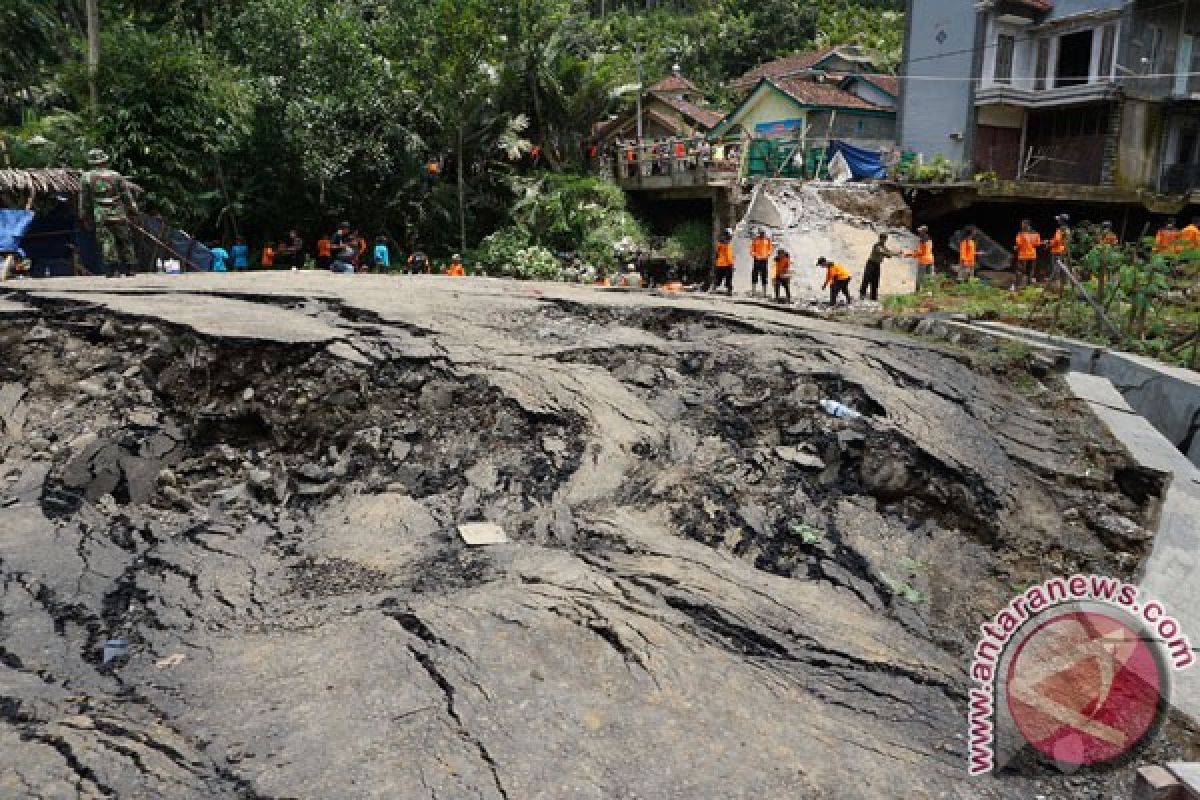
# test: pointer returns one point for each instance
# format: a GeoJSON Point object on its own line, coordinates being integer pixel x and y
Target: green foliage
{"type": "Point", "coordinates": [270, 114]}
{"type": "Point", "coordinates": [808, 534]}
{"type": "Point", "coordinates": [510, 253]}
{"type": "Point", "coordinates": [939, 170]}
{"type": "Point", "coordinates": [689, 246]}
{"type": "Point", "coordinates": [1148, 297]}
{"type": "Point", "coordinates": [169, 111]}
{"type": "Point", "coordinates": [571, 213]}
{"type": "Point", "coordinates": [902, 589]}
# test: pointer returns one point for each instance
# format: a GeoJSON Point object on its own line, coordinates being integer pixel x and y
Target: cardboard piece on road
{"type": "Point", "coordinates": [480, 533]}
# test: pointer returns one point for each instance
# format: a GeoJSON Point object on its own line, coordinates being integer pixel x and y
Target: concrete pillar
{"type": "Point", "coordinates": [1156, 783]}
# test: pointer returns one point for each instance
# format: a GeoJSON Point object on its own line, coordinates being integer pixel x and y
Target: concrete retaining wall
{"type": "Point", "coordinates": [1168, 397]}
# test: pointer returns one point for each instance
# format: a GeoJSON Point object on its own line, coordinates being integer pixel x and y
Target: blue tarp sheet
{"type": "Point", "coordinates": [863, 163]}
{"type": "Point", "coordinates": [13, 224]}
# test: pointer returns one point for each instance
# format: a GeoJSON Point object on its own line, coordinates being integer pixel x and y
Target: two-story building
{"type": "Point", "coordinates": [1090, 92]}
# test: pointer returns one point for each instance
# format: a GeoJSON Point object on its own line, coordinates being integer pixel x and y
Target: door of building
{"type": "Point", "coordinates": [998, 150]}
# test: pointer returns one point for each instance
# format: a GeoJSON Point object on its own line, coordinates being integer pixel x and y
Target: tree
{"type": "Point", "coordinates": [169, 111]}
{"type": "Point", "coordinates": [460, 76]}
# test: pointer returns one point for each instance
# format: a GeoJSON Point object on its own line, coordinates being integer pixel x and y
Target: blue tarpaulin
{"type": "Point", "coordinates": [862, 163]}
{"type": "Point", "coordinates": [13, 224]}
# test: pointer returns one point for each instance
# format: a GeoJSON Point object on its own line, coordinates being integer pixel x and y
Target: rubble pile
{"type": "Point", "coordinates": [842, 223]}
{"type": "Point", "coordinates": [240, 568]}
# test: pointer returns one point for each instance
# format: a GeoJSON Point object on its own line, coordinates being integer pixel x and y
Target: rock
{"type": "Point", "coordinates": [1115, 530]}
{"type": "Point", "coordinates": [307, 489]}
{"type": "Point", "coordinates": [399, 450]}
{"type": "Point", "coordinates": [92, 388]}
{"type": "Point", "coordinates": [755, 518]}
{"type": "Point", "coordinates": [313, 473]}
{"type": "Point", "coordinates": [483, 476]}
{"type": "Point", "coordinates": [795, 455]}
{"type": "Point", "coordinates": [167, 478]}
{"type": "Point", "coordinates": [226, 453]}
{"type": "Point", "coordinates": [886, 473]}
{"type": "Point", "coordinates": [850, 440]}
{"type": "Point", "coordinates": [39, 333]}
{"type": "Point", "coordinates": [554, 445]}
{"type": "Point", "coordinates": [261, 481]}
{"type": "Point", "coordinates": [108, 330]}
{"type": "Point", "coordinates": [143, 418]}
{"type": "Point", "coordinates": [248, 395]}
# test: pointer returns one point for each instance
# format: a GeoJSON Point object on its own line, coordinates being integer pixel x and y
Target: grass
{"type": "Point", "coordinates": [1172, 333]}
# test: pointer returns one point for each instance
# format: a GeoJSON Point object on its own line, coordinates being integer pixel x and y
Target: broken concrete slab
{"type": "Point", "coordinates": [482, 533]}
{"type": "Point", "coordinates": [1169, 397]}
{"type": "Point", "coordinates": [662, 599]}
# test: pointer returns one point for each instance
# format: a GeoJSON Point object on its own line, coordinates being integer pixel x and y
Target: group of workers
{"type": "Point", "coordinates": [344, 251]}
{"type": "Point", "coordinates": [1168, 241]}
{"type": "Point", "coordinates": [779, 270]}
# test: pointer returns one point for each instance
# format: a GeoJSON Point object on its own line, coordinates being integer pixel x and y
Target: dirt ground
{"type": "Point", "coordinates": [712, 589]}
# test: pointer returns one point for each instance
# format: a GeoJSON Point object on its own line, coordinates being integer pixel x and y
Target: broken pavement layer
{"type": "Point", "coordinates": [712, 588]}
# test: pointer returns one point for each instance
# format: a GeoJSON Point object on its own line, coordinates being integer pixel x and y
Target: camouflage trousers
{"type": "Point", "coordinates": [116, 247]}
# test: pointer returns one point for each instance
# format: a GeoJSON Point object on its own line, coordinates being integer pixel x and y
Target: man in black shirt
{"type": "Point", "coordinates": [870, 278]}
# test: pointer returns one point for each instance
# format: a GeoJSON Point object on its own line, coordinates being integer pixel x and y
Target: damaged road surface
{"type": "Point", "coordinates": [711, 588]}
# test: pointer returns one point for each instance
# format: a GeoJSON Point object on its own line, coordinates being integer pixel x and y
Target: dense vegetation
{"type": "Point", "coordinates": [1129, 296]}
{"type": "Point", "coordinates": [265, 114]}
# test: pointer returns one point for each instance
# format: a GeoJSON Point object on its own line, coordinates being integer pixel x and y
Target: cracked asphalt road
{"type": "Point", "coordinates": [713, 590]}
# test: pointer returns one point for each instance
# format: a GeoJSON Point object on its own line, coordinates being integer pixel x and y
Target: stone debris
{"type": "Point", "coordinates": [703, 554]}
{"type": "Point", "coordinates": [482, 533]}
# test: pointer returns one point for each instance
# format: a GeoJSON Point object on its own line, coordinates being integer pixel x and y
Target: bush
{"type": "Point", "coordinates": [577, 214]}
{"type": "Point", "coordinates": [509, 252]}
{"type": "Point", "coordinates": [689, 246]}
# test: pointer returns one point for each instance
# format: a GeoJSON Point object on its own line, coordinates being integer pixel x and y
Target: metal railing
{"type": "Point", "coordinates": [696, 159]}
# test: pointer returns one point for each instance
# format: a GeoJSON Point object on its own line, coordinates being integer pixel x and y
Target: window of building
{"type": "Point", "coordinates": [1108, 47]}
{"type": "Point", "coordinates": [1187, 148]}
{"type": "Point", "coordinates": [1005, 44]}
{"type": "Point", "coordinates": [1074, 59]}
{"type": "Point", "coordinates": [1042, 67]}
{"type": "Point", "coordinates": [1154, 47]}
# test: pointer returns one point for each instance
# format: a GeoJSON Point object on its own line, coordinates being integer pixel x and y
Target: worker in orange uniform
{"type": "Point", "coordinates": [837, 280]}
{"type": "Point", "coordinates": [783, 274]}
{"type": "Point", "coordinates": [1028, 241]}
{"type": "Point", "coordinates": [923, 252]}
{"type": "Point", "coordinates": [1059, 245]}
{"type": "Point", "coordinates": [324, 252]}
{"type": "Point", "coordinates": [1164, 240]}
{"type": "Point", "coordinates": [761, 247]}
{"type": "Point", "coordinates": [267, 261]}
{"type": "Point", "coordinates": [723, 264]}
{"type": "Point", "coordinates": [455, 270]}
{"type": "Point", "coordinates": [1107, 237]}
{"type": "Point", "coordinates": [968, 250]}
{"type": "Point", "coordinates": [1189, 238]}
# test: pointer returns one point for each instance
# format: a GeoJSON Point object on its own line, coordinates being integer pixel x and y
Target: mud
{"type": "Point", "coordinates": [713, 588]}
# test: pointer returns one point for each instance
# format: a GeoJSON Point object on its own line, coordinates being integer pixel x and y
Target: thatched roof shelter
{"type": "Point", "coordinates": [39, 181]}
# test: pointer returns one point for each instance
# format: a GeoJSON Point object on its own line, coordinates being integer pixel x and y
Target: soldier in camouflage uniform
{"type": "Point", "coordinates": [106, 205]}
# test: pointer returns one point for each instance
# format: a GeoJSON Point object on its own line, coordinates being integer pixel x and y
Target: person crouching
{"type": "Point", "coordinates": [837, 280]}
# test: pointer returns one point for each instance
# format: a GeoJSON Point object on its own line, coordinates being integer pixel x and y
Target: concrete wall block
{"type": "Point", "coordinates": [1156, 783]}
